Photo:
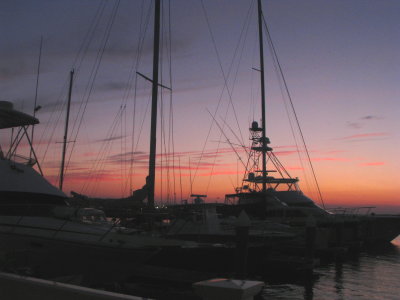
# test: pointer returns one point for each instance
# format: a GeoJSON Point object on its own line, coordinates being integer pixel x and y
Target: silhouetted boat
{"type": "Point", "coordinates": [36, 220]}
{"type": "Point", "coordinates": [279, 198]}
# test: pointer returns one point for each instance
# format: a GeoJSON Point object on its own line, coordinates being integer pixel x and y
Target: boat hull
{"type": "Point", "coordinates": [50, 258]}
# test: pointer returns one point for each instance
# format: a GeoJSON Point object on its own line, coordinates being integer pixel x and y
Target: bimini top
{"type": "Point", "coordinates": [12, 118]}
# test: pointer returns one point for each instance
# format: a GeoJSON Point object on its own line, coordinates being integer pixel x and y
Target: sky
{"type": "Point", "coordinates": [340, 60]}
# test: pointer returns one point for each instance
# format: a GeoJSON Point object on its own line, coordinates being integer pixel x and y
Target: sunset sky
{"type": "Point", "coordinates": [341, 61]}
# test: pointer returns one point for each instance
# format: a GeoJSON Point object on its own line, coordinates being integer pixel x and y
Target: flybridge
{"type": "Point", "coordinates": [10, 118]}
{"type": "Point", "coordinates": [260, 177]}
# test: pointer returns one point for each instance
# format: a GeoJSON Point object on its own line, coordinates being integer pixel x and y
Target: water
{"type": "Point", "coordinates": [374, 274]}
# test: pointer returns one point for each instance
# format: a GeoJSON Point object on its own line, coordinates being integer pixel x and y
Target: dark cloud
{"type": "Point", "coordinates": [113, 86]}
{"type": "Point", "coordinates": [120, 156]}
{"type": "Point", "coordinates": [371, 117]}
{"type": "Point", "coordinates": [141, 158]}
{"type": "Point", "coordinates": [358, 125]}
{"type": "Point", "coordinates": [114, 138]}
{"type": "Point", "coordinates": [354, 125]}
{"type": "Point", "coordinates": [136, 157]}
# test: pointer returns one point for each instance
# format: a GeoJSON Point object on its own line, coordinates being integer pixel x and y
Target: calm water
{"type": "Point", "coordinates": [371, 275]}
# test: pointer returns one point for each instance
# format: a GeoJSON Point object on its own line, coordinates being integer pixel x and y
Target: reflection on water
{"type": "Point", "coordinates": [371, 275]}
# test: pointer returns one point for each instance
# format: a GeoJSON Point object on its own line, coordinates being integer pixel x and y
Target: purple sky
{"type": "Point", "coordinates": [341, 60]}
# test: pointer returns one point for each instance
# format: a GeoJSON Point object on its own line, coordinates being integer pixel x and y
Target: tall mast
{"type": "Point", "coordinates": [153, 130]}
{"type": "Point", "coordinates": [264, 140]}
{"type": "Point", "coordinates": [71, 79]}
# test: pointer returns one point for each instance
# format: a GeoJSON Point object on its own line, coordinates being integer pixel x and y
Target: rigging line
{"type": "Point", "coordinates": [215, 157]}
{"type": "Point", "coordinates": [142, 124]}
{"type": "Point", "coordinates": [98, 59]}
{"type": "Point", "coordinates": [99, 12]}
{"type": "Point", "coordinates": [190, 178]}
{"type": "Point", "coordinates": [104, 148]}
{"type": "Point", "coordinates": [135, 148]}
{"type": "Point", "coordinates": [127, 183]}
{"type": "Point", "coordinates": [225, 85]}
{"type": "Point", "coordinates": [132, 141]}
{"type": "Point", "coordinates": [243, 32]}
{"type": "Point", "coordinates": [167, 136]}
{"type": "Point", "coordinates": [270, 44]}
{"type": "Point", "coordinates": [90, 34]}
{"type": "Point", "coordinates": [220, 65]}
{"type": "Point", "coordinates": [161, 107]}
{"type": "Point", "coordinates": [171, 114]}
{"type": "Point", "coordinates": [231, 130]}
{"type": "Point", "coordinates": [104, 153]}
{"type": "Point", "coordinates": [244, 28]}
{"type": "Point", "coordinates": [255, 57]}
{"type": "Point", "coordinates": [100, 9]}
{"type": "Point", "coordinates": [91, 79]}
{"type": "Point", "coordinates": [99, 161]}
{"type": "Point", "coordinates": [162, 133]}
{"type": "Point", "coordinates": [60, 110]}
{"type": "Point", "coordinates": [166, 139]}
{"type": "Point", "coordinates": [47, 128]}
{"type": "Point", "coordinates": [59, 107]}
{"type": "Point", "coordinates": [125, 151]}
{"type": "Point", "coordinates": [35, 108]}
{"type": "Point", "coordinates": [100, 154]}
{"type": "Point", "coordinates": [227, 139]}
{"type": "Point", "coordinates": [280, 167]}
{"type": "Point", "coordinates": [123, 119]}
{"type": "Point", "coordinates": [100, 56]}
{"type": "Point", "coordinates": [237, 173]}
{"type": "Point", "coordinates": [213, 164]}
{"type": "Point", "coordinates": [219, 142]}
{"type": "Point", "coordinates": [280, 78]}
{"type": "Point", "coordinates": [144, 24]}
{"type": "Point", "coordinates": [295, 115]}
{"type": "Point", "coordinates": [180, 177]}
{"type": "Point", "coordinates": [233, 185]}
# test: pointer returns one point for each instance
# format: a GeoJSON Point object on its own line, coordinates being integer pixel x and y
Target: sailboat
{"type": "Point", "coordinates": [280, 199]}
{"type": "Point", "coordinates": [37, 223]}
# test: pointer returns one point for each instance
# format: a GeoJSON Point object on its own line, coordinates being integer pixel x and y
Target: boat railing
{"type": "Point", "coordinates": [351, 211]}
{"type": "Point", "coordinates": [23, 159]}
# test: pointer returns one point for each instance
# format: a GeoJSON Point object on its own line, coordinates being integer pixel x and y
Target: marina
{"type": "Point", "coordinates": [270, 235]}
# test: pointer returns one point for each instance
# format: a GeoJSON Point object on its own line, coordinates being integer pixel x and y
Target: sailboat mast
{"type": "Point", "coordinates": [71, 79]}
{"type": "Point", "coordinates": [153, 130]}
{"type": "Point", "coordinates": [264, 145]}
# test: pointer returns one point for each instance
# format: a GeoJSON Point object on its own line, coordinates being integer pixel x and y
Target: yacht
{"type": "Point", "coordinates": [38, 227]}
{"type": "Point", "coordinates": [268, 192]}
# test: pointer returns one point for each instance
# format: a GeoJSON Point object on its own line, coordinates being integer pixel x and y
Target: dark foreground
{"type": "Point", "coordinates": [370, 274]}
